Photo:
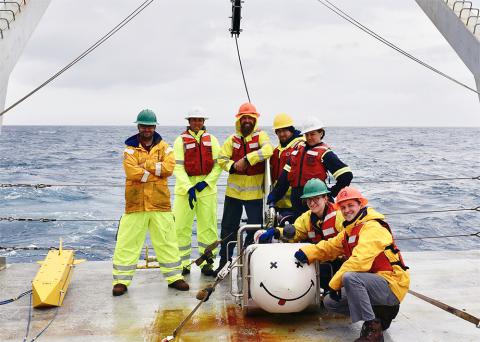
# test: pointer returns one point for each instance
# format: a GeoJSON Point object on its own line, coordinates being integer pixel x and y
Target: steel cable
{"type": "Point", "coordinates": [99, 42]}
{"type": "Point", "coordinates": [42, 185]}
{"type": "Point", "coordinates": [365, 29]}
{"type": "Point", "coordinates": [241, 68]}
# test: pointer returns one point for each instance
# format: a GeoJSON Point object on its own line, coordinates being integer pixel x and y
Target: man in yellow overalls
{"type": "Point", "coordinates": [196, 172]}
{"type": "Point", "coordinates": [148, 161]}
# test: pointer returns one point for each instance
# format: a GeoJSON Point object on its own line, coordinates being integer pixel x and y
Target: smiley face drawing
{"type": "Point", "coordinates": [278, 282]}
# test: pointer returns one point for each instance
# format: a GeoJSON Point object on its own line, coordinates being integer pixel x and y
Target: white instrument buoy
{"type": "Point", "coordinates": [279, 283]}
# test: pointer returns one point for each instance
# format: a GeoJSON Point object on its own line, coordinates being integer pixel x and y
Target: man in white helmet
{"type": "Point", "coordinates": [311, 159]}
{"type": "Point", "coordinates": [196, 171]}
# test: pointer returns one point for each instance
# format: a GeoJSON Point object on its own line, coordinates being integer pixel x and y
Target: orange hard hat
{"type": "Point", "coordinates": [348, 193]}
{"type": "Point", "coordinates": [247, 108]}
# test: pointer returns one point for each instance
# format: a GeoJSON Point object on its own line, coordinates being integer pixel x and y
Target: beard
{"type": "Point", "coordinates": [246, 129]}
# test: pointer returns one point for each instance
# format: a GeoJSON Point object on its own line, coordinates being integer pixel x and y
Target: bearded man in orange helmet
{"type": "Point", "coordinates": [243, 156]}
{"type": "Point", "coordinates": [372, 282]}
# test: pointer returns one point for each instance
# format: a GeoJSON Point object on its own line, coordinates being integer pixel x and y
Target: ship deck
{"type": "Point", "coordinates": [150, 310]}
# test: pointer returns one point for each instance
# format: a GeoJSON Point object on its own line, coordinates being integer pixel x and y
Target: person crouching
{"type": "Point", "coordinates": [372, 282]}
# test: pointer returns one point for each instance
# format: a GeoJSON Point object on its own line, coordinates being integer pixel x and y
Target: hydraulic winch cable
{"type": "Point", "coordinates": [99, 42]}
{"type": "Point", "coordinates": [332, 7]}
{"type": "Point", "coordinates": [241, 68]}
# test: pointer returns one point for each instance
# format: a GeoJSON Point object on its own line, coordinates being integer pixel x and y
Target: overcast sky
{"type": "Point", "coordinates": [298, 58]}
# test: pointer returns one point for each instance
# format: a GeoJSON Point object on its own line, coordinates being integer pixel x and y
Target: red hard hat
{"type": "Point", "coordinates": [247, 108]}
{"type": "Point", "coordinates": [348, 193]}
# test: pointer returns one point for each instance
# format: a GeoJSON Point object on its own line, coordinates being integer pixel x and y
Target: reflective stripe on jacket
{"type": "Point", "coordinates": [241, 186]}
{"type": "Point", "coordinates": [146, 187]}
{"type": "Point", "coordinates": [372, 240]}
{"type": "Point", "coordinates": [198, 159]}
{"type": "Point", "coordinates": [306, 163]}
{"type": "Point", "coordinates": [303, 225]}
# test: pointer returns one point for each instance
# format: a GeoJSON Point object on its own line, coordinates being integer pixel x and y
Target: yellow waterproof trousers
{"type": "Point", "coordinates": [131, 237]}
{"type": "Point", "coordinates": [206, 211]}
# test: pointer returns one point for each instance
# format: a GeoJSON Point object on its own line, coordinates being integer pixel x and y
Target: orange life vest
{"type": "Point", "coordinates": [381, 262]}
{"type": "Point", "coordinates": [242, 148]}
{"type": "Point", "coordinates": [327, 230]}
{"type": "Point", "coordinates": [198, 158]}
{"type": "Point", "coordinates": [307, 164]}
{"type": "Point", "coordinates": [279, 159]}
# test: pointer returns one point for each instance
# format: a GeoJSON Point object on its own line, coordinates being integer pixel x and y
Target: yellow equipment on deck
{"type": "Point", "coordinates": [50, 285]}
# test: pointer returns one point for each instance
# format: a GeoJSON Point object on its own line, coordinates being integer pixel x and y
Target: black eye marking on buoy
{"type": "Point", "coordinates": [273, 264]}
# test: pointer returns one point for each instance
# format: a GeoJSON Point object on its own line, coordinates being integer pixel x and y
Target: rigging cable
{"type": "Point", "coordinates": [241, 68]}
{"type": "Point", "coordinates": [44, 219]}
{"type": "Point", "coordinates": [99, 42]}
{"type": "Point", "coordinates": [42, 185]}
{"type": "Point", "coordinates": [347, 17]}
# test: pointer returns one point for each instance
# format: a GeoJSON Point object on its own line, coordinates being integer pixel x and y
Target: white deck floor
{"type": "Point", "coordinates": [151, 311]}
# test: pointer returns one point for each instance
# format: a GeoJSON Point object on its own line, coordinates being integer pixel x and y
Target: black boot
{"type": "Point", "coordinates": [385, 314]}
{"type": "Point", "coordinates": [371, 331]}
{"type": "Point", "coordinates": [219, 268]}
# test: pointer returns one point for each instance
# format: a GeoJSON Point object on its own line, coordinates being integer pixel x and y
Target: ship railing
{"type": "Point", "coordinates": [468, 14]}
{"type": "Point", "coordinates": [9, 10]}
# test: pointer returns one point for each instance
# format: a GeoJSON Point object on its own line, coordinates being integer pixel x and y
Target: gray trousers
{"type": "Point", "coordinates": [361, 290]}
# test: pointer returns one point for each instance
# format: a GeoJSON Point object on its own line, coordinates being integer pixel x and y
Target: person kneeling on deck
{"type": "Point", "coordinates": [148, 161]}
{"type": "Point", "coordinates": [321, 222]}
{"type": "Point", "coordinates": [372, 282]}
{"type": "Point", "coordinates": [243, 155]}
{"type": "Point", "coordinates": [196, 172]}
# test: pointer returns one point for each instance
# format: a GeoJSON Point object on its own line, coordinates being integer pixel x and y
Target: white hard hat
{"type": "Point", "coordinates": [312, 123]}
{"type": "Point", "coordinates": [196, 112]}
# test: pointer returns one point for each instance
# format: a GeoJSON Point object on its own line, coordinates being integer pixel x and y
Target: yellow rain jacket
{"type": "Point", "coordinates": [183, 180]}
{"type": "Point", "coordinates": [146, 186]}
{"type": "Point", "coordinates": [373, 239]}
{"type": "Point", "coordinates": [245, 187]}
{"type": "Point", "coordinates": [285, 202]}
{"type": "Point", "coordinates": [302, 224]}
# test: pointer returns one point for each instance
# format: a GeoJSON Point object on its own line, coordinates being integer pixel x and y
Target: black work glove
{"type": "Point", "coordinates": [191, 197]}
{"type": "Point", "coordinates": [336, 295]}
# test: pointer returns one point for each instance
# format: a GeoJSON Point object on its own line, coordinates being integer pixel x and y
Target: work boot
{"type": "Point", "coordinates": [185, 271]}
{"type": "Point", "coordinates": [208, 270]}
{"type": "Point", "coordinates": [180, 285]}
{"type": "Point", "coordinates": [219, 268]}
{"type": "Point", "coordinates": [385, 314]}
{"type": "Point", "coordinates": [119, 289]}
{"type": "Point", "coordinates": [371, 331]}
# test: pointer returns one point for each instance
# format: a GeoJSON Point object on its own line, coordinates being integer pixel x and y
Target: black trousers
{"type": "Point", "coordinates": [232, 213]}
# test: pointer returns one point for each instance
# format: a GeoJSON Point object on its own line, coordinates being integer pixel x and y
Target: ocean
{"type": "Point", "coordinates": [393, 167]}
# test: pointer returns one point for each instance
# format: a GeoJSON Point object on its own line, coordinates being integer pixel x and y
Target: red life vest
{"type": "Point", "coordinates": [307, 164]}
{"type": "Point", "coordinates": [241, 149]}
{"type": "Point", "coordinates": [381, 262]}
{"type": "Point", "coordinates": [198, 158]}
{"type": "Point", "coordinates": [279, 159]}
{"type": "Point", "coordinates": [327, 229]}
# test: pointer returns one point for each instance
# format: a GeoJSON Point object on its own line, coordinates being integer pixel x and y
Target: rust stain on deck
{"type": "Point", "coordinates": [217, 323]}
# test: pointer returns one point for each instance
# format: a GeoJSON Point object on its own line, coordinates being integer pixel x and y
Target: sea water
{"type": "Point", "coordinates": [92, 158]}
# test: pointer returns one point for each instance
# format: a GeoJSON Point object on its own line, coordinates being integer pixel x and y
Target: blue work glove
{"type": "Point", "coordinates": [201, 185]}
{"type": "Point", "coordinates": [300, 256]}
{"type": "Point", "coordinates": [336, 295]}
{"type": "Point", "coordinates": [270, 200]}
{"type": "Point", "coordinates": [191, 197]}
{"type": "Point", "coordinates": [267, 236]}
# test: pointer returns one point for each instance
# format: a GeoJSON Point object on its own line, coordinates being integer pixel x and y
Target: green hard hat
{"type": "Point", "coordinates": [314, 187]}
{"type": "Point", "coordinates": [147, 117]}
